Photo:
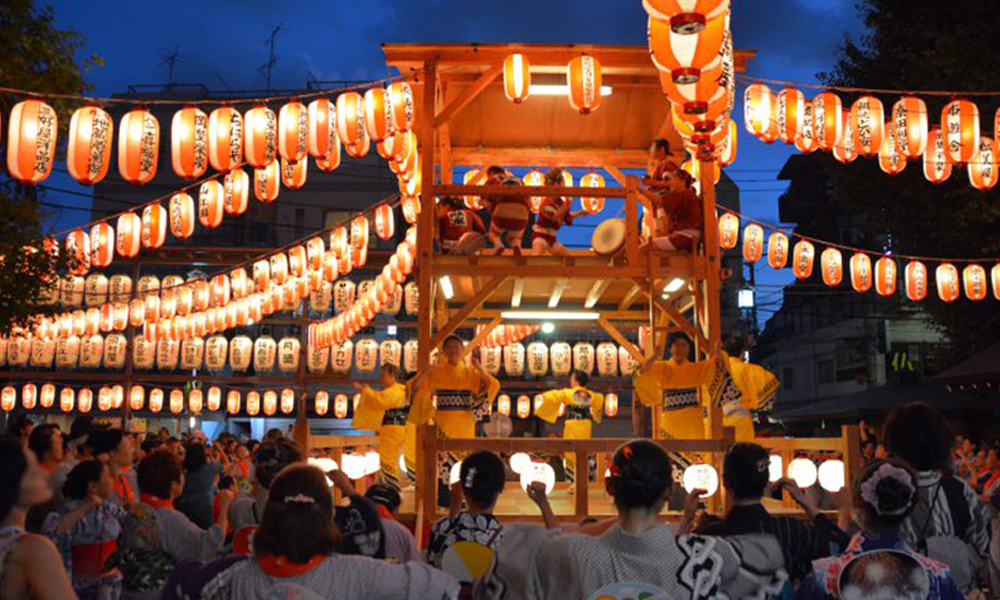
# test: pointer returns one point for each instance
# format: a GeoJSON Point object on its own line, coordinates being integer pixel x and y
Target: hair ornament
{"type": "Point", "coordinates": [299, 499]}
{"type": "Point", "coordinates": [869, 489]}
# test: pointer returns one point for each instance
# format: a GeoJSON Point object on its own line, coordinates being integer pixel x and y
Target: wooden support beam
{"type": "Point", "coordinates": [529, 269]}
{"type": "Point", "coordinates": [479, 337]}
{"type": "Point", "coordinates": [615, 172]}
{"type": "Point", "coordinates": [630, 297]}
{"type": "Point", "coordinates": [468, 95]}
{"type": "Point", "coordinates": [621, 339]}
{"type": "Point", "coordinates": [557, 291]}
{"type": "Point", "coordinates": [679, 320]}
{"type": "Point", "coordinates": [596, 291]}
{"type": "Point", "coordinates": [632, 220]}
{"type": "Point", "coordinates": [456, 319]}
{"type": "Point", "coordinates": [535, 190]}
{"type": "Point", "coordinates": [536, 156]}
{"type": "Point", "coordinates": [515, 296]}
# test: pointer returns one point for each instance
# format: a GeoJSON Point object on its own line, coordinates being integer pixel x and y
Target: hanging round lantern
{"type": "Point", "coordinates": [974, 282]}
{"type": "Point", "coordinates": [88, 154]}
{"type": "Point", "coordinates": [916, 281]}
{"type": "Point", "coordinates": [323, 141]}
{"type": "Point", "coordinates": [593, 180]}
{"type": "Point", "coordinates": [861, 272]}
{"type": "Point", "coordinates": [937, 163]}
{"type": "Point", "coordinates": [729, 230]}
{"type": "Point", "coordinates": [803, 255]}
{"type": "Point", "coordinates": [385, 226]}
{"type": "Point", "coordinates": [777, 250]}
{"type": "Point", "coordinates": [960, 128]}
{"type": "Point", "coordinates": [240, 353]}
{"type": "Point", "coordinates": [378, 114]}
{"type": "Point", "coordinates": [114, 351]}
{"type": "Point", "coordinates": [261, 137]}
{"type": "Point", "coordinates": [491, 357]}
{"type": "Point", "coordinates": [868, 122]}
{"type": "Point", "coordinates": [890, 159]}
{"type": "Point", "coordinates": [265, 352]}
{"type": "Point", "coordinates": [534, 178]}
{"type": "Point", "coordinates": [102, 245]}
{"type": "Point", "coordinates": [686, 17]}
{"type": "Point", "coordinates": [176, 401]}
{"type": "Point", "coordinates": [340, 403]}
{"type": "Point", "coordinates": [583, 76]}
{"type": "Point", "coordinates": [516, 78]}
{"type": "Point", "coordinates": [129, 237]}
{"type": "Point", "coordinates": [366, 355]}
{"type": "Point", "coordinates": [211, 204]}
{"type": "Point", "coordinates": [788, 113]}
{"type": "Point", "coordinates": [288, 355]}
{"type": "Point", "coordinates": [67, 399]}
{"type": "Point", "coordinates": [561, 357]}
{"type": "Point", "coordinates": [293, 131]}
{"type": "Point", "coordinates": [156, 400]}
{"type": "Point", "coordinates": [803, 471]}
{"type": "Point", "coordinates": [182, 215]}
{"type": "Point", "coordinates": [947, 278]}
{"type": "Point", "coordinates": [684, 56]}
{"type": "Point", "coordinates": [909, 116]}
{"type": "Point", "coordinates": [287, 402]}
{"type": "Point", "coordinates": [43, 352]}
{"type": "Point", "coordinates": [759, 109]}
{"type": "Point", "coordinates": [192, 353]}
{"type": "Point", "coordinates": [503, 405]}
{"type": "Point", "coordinates": [195, 401]}
{"type": "Point", "coordinates": [267, 182]}
{"type": "Point", "coordinates": [827, 120]}
{"type": "Point", "coordinates": [983, 173]}
{"type": "Point", "coordinates": [270, 404]}
{"type": "Point", "coordinates": [189, 142]}
{"type": "Point", "coordinates": [78, 251]}
{"type": "Point", "coordinates": [805, 138]}
{"type": "Point", "coordinates": [321, 404]}
{"type": "Point", "coordinates": [727, 147]}
{"type": "Point", "coordinates": [513, 359]}
{"type": "Point", "coordinates": [233, 401]}
{"type": "Point", "coordinates": [46, 395]}
{"type": "Point", "coordinates": [753, 242]}
{"type": "Point", "coordinates": [885, 276]}
{"type": "Point", "coordinates": [390, 352]}
{"type": "Point", "coordinates": [31, 141]}
{"type": "Point", "coordinates": [523, 407]}
{"type": "Point", "coordinates": [138, 146]}
{"type": "Point", "coordinates": [293, 175]}
{"type": "Point", "coordinates": [236, 192]}
{"type": "Point", "coordinates": [167, 354]}
{"type": "Point", "coordinates": [95, 289]}
{"type": "Point", "coordinates": [216, 351]}
{"type": "Point", "coordinates": [626, 362]}
{"type": "Point", "coordinates": [846, 152]}
{"type": "Point", "coordinates": [607, 359]}
{"type": "Point", "coordinates": [225, 139]}
{"type": "Point", "coordinates": [584, 357]}
{"type": "Point", "coordinates": [832, 263]}
{"type": "Point", "coordinates": [342, 357]}
{"type": "Point", "coordinates": [68, 352]}
{"type": "Point", "coordinates": [351, 126]}
{"type": "Point", "coordinates": [136, 397]}
{"type": "Point", "coordinates": [399, 96]}
{"type": "Point", "coordinates": [410, 356]}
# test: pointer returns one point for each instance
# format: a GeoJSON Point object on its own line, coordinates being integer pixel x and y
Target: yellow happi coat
{"type": "Point", "coordinates": [385, 411]}
{"type": "Point", "coordinates": [449, 395]}
{"type": "Point", "coordinates": [583, 409]}
{"type": "Point", "coordinates": [683, 391]}
{"type": "Point", "coordinates": [758, 387]}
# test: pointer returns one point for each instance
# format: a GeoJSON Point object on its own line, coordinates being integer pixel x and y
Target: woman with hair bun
{"type": "Point", "coordinates": [638, 551]}
{"type": "Point", "coordinates": [878, 564]}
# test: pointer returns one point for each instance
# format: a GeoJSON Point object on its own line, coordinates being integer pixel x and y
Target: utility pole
{"type": "Point", "coordinates": [271, 57]}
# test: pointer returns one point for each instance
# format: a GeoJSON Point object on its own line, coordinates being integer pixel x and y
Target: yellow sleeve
{"type": "Point", "coordinates": [373, 405]}
{"type": "Point", "coordinates": [648, 384]}
{"type": "Point", "coordinates": [422, 407]}
{"type": "Point", "coordinates": [596, 406]}
{"type": "Point", "coordinates": [551, 401]}
{"type": "Point", "coordinates": [757, 384]}
{"type": "Point", "coordinates": [486, 386]}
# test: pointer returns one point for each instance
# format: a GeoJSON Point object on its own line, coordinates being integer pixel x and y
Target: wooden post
{"type": "Point", "coordinates": [301, 427]}
{"type": "Point", "coordinates": [581, 495]}
{"type": "Point", "coordinates": [713, 283]}
{"type": "Point", "coordinates": [850, 437]}
{"type": "Point", "coordinates": [632, 220]}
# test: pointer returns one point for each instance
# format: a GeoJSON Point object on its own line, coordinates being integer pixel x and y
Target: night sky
{"type": "Point", "coordinates": [222, 44]}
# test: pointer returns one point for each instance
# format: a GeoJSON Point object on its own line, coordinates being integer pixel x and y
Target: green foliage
{"type": "Point", "coordinates": [924, 45]}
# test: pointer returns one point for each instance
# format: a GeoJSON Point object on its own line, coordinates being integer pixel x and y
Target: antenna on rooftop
{"type": "Point", "coordinates": [271, 58]}
{"type": "Point", "coordinates": [169, 58]}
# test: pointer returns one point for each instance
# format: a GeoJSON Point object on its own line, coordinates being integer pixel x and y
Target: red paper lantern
{"type": "Point", "coordinates": [267, 182]}
{"type": "Point", "coordinates": [592, 180]}
{"type": "Point", "coordinates": [868, 122]}
{"type": "Point", "coordinates": [846, 151]}
{"type": "Point", "coordinates": [136, 397]}
{"type": "Point", "coordinates": [583, 76]}
{"type": "Point", "coordinates": [189, 142]}
{"type": "Point", "coordinates": [270, 403]}
{"type": "Point", "coordinates": [960, 127]}
{"type": "Point", "coordinates": [885, 276]}
{"type": "Point", "coordinates": [378, 114]}
{"type": "Point", "coordinates": [154, 226]}
{"type": "Point", "coordinates": [67, 399]}
{"type": "Point", "coordinates": [91, 132]}
{"type": "Point", "coordinates": [211, 204]}
{"type": "Point", "coordinates": [233, 401]}
{"type": "Point", "coordinates": [827, 120]}
{"type": "Point", "coordinates": [861, 272]}
{"type": "Point", "coordinates": [983, 173]}
{"type": "Point", "coordinates": [260, 141]}
{"type": "Point", "coordinates": [225, 139]}
{"type": "Point", "coordinates": [29, 396]}
{"type": "Point", "coordinates": [182, 215]}
{"type": "Point", "coordinates": [611, 405]}
{"type": "Point", "coordinates": [890, 159]}
{"type": "Point", "coordinates": [129, 237]}
{"type": "Point", "coordinates": [832, 263]}
{"type": "Point", "coordinates": [802, 262]}
{"type": "Point", "coordinates": [916, 281]}
{"type": "Point", "coordinates": [974, 282]}
{"type": "Point", "coordinates": [790, 104]}
{"type": "Point", "coordinates": [686, 17]}
{"type": "Point", "coordinates": [176, 401]}
{"type": "Point", "coordinates": [909, 116]}
{"type": "Point", "coordinates": [138, 146]}
{"type": "Point", "coordinates": [293, 131]}
{"type": "Point", "coordinates": [8, 398]}
{"type": "Point", "coordinates": [729, 230]}
{"type": "Point", "coordinates": [236, 192]}
{"type": "Point", "coordinates": [753, 242]}
{"type": "Point", "coordinates": [293, 175]}
{"type": "Point", "coordinates": [214, 398]}
{"type": "Point", "coordinates": [516, 78]}
{"type": "Point", "coordinates": [31, 141]}
{"type": "Point", "coordinates": [684, 56]}
{"type": "Point", "coordinates": [937, 163]}
{"type": "Point", "coordinates": [323, 140]}
{"type": "Point", "coordinates": [805, 138]}
{"type": "Point", "coordinates": [155, 400]}
{"type": "Point", "coordinates": [947, 278]}
{"type": "Point", "coordinates": [195, 401]}
{"type": "Point", "coordinates": [759, 108]}
{"type": "Point", "coordinates": [400, 96]}
{"type": "Point", "coordinates": [777, 250]}
{"type": "Point", "coordinates": [385, 226]}
{"type": "Point", "coordinates": [287, 401]}
{"type": "Point", "coordinates": [351, 122]}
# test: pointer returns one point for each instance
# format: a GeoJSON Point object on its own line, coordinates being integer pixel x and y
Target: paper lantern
{"type": "Point", "coordinates": [31, 141]}
{"type": "Point", "coordinates": [192, 353]}
{"type": "Point", "coordinates": [789, 106]}
{"type": "Point", "coordinates": [340, 406]}
{"type": "Point", "coordinates": [400, 96]}
{"type": "Point", "coordinates": [167, 354]}
{"type": "Point", "coordinates": [214, 401]}
{"type": "Point", "coordinates": [729, 230]}
{"type": "Point", "coordinates": [523, 407]}
{"type": "Point", "coordinates": [288, 355]}
{"type": "Point", "coordinates": [561, 357]}
{"type": "Point", "coordinates": [182, 215]}
{"type": "Point", "coordinates": [538, 359]}
{"type": "Point", "coordinates": [105, 399]}
{"type": "Point", "coordinates": [777, 250]}
{"type": "Point", "coordinates": [974, 282]}
{"type": "Point", "coordinates": [321, 403]}
{"type": "Point", "coordinates": [385, 226]}
{"type": "Point", "coordinates": [317, 359]}
{"type": "Point", "coordinates": [260, 142]}
{"type": "Point", "coordinates": [265, 352]}
{"type": "Point", "coordinates": [960, 128]}
{"type": "Point", "coordinates": [611, 405]}
{"type": "Point", "coordinates": [115, 347]}
{"type": "Point", "coordinates": [410, 356]}
{"type": "Point", "coordinates": [607, 359]}
{"type": "Point", "coordinates": [216, 352]}
{"type": "Point", "coordinates": [534, 178]}
{"type": "Point", "coordinates": [937, 163]}
{"type": "Point", "coordinates": [390, 352]}
{"type": "Point", "coordinates": [195, 401]}
{"type": "Point", "coordinates": [343, 295]}
{"type": "Point", "coordinates": [983, 173]}
{"type": "Point", "coordinates": [29, 396]}
{"type": "Point", "coordinates": [909, 116]}
{"type": "Point", "coordinates": [270, 403]}
{"type": "Point", "coordinates": [233, 401]}
{"type": "Point", "coordinates": [378, 114]}
{"type": "Point", "coordinates": [868, 123]}
{"type": "Point", "coordinates": [491, 358]}
{"type": "Point", "coordinates": [267, 182]}
{"type": "Point", "coordinates": [803, 471]}
{"type": "Point", "coordinates": [351, 126]}
{"type": "Point", "coordinates": [701, 477]}
{"type": "Point", "coordinates": [47, 395]}
{"type": "Point", "coordinates": [129, 235]}
{"type": "Point", "coordinates": [102, 245]}
{"type": "Point", "coordinates": [293, 131]}
{"type": "Point", "coordinates": [626, 362]}
{"type": "Point", "coordinates": [516, 77]}
{"type": "Point", "coordinates": [753, 242]}
{"type": "Point", "coordinates": [43, 352]}
{"type": "Point", "coordinates": [802, 263]}
{"type": "Point", "coordinates": [323, 141]}
{"type": "Point", "coordinates": [293, 175]}
{"type": "Point", "coordinates": [846, 151]}
{"type": "Point", "coordinates": [67, 399]}
{"type": "Point", "coordinates": [759, 107]}
{"type": "Point", "coordinates": [95, 289]}
{"type": "Point", "coordinates": [947, 278]}
{"type": "Point", "coordinates": [211, 204]}
{"type": "Point", "coordinates": [583, 76]}
{"type": "Point", "coordinates": [594, 180]}
{"type": "Point", "coordinates": [138, 146]}
{"type": "Point", "coordinates": [538, 472]}
{"type": "Point", "coordinates": [8, 398]}
{"type": "Point", "coordinates": [189, 142]}
{"type": "Point", "coordinates": [832, 263]}
{"type": "Point", "coordinates": [225, 139]}
{"type": "Point", "coordinates": [827, 120]}
{"type": "Point", "coordinates": [366, 355]}
{"type": "Point", "coordinates": [240, 353]}
{"type": "Point", "coordinates": [885, 276]}
{"type": "Point", "coordinates": [120, 288]}
{"type": "Point", "coordinates": [916, 281]}
{"type": "Point", "coordinates": [686, 17]}
{"type": "Point", "coordinates": [236, 192]}
{"type": "Point", "coordinates": [890, 159]}
{"type": "Point", "coordinates": [805, 137]}
{"type": "Point", "coordinates": [832, 475]}
{"type": "Point", "coordinates": [19, 351]}
{"type": "Point", "coordinates": [287, 401]}
{"type": "Point", "coordinates": [67, 352]}
{"type": "Point", "coordinates": [254, 402]}
{"type": "Point", "coordinates": [861, 272]}
{"type": "Point", "coordinates": [584, 357]}
{"type": "Point", "coordinates": [176, 401]}
{"type": "Point", "coordinates": [726, 149]}
{"type": "Point", "coordinates": [88, 154]}
{"type": "Point", "coordinates": [684, 56]}
{"type": "Point", "coordinates": [513, 359]}
{"type": "Point", "coordinates": [78, 251]}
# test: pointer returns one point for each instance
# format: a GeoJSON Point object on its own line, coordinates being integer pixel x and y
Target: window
{"type": "Point", "coordinates": [788, 378]}
{"type": "Point", "coordinates": [826, 371]}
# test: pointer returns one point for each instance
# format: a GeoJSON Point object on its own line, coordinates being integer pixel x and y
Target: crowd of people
{"type": "Point", "coordinates": [100, 513]}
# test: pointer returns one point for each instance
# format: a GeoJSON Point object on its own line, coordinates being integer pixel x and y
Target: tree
{"type": "Point", "coordinates": [923, 45]}
{"type": "Point", "coordinates": [37, 56]}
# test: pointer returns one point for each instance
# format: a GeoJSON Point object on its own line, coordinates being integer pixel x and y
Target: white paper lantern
{"type": "Point", "coordinates": [701, 477]}
{"type": "Point", "coordinates": [265, 352]}
{"type": "Point", "coordinates": [68, 352]}
{"type": "Point", "coordinates": [583, 357]}
{"type": "Point", "coordinates": [776, 468]}
{"type": "Point", "coordinates": [317, 359]}
{"type": "Point", "coordinates": [519, 461]}
{"type": "Point", "coordinates": [832, 476]}
{"type": "Point", "coordinates": [395, 302]}
{"type": "Point", "coordinates": [492, 359]}
{"type": "Point", "coordinates": [538, 359]}
{"type": "Point", "coordinates": [342, 357]}
{"type": "Point", "coordinates": [364, 287]}
{"type": "Point", "coordinates": [240, 353]}
{"type": "Point", "coordinates": [288, 355]}
{"type": "Point", "coordinates": [538, 471]}
{"type": "Point", "coordinates": [115, 347]}
{"type": "Point", "coordinates": [343, 295]}
{"type": "Point", "coordinates": [148, 284]}
{"type": "Point", "coordinates": [513, 359]}
{"type": "Point", "coordinates": [19, 351]}
{"type": "Point", "coordinates": [71, 292]}
{"type": "Point", "coordinates": [410, 356]}
{"type": "Point", "coordinates": [803, 471]}
{"type": "Point", "coordinates": [167, 354]}
{"type": "Point", "coordinates": [120, 288]}
{"type": "Point", "coordinates": [366, 355]}
{"type": "Point", "coordinates": [216, 353]}
{"type": "Point", "coordinates": [320, 298]}
{"type": "Point", "coordinates": [326, 465]}
{"type": "Point", "coordinates": [390, 351]}
{"type": "Point", "coordinates": [95, 289]}
{"type": "Point", "coordinates": [607, 359]}
{"type": "Point", "coordinates": [411, 298]}
{"type": "Point", "coordinates": [353, 465]}
{"type": "Point", "coordinates": [143, 353]}
{"type": "Point", "coordinates": [626, 362]}
{"type": "Point", "coordinates": [43, 352]}
{"type": "Point", "coordinates": [48, 293]}
{"type": "Point", "coordinates": [91, 351]}
{"type": "Point", "coordinates": [192, 353]}
{"type": "Point", "coordinates": [561, 357]}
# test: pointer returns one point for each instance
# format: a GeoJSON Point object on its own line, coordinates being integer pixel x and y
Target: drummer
{"type": "Point", "coordinates": [679, 219]}
{"type": "Point", "coordinates": [552, 214]}
{"type": "Point", "coordinates": [658, 164]}
{"type": "Point", "coordinates": [460, 229]}
{"type": "Point", "coordinates": [508, 214]}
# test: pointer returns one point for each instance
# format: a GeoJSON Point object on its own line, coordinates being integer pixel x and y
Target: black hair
{"type": "Point", "coordinates": [746, 471]}
{"type": "Point", "coordinates": [397, 373]}
{"type": "Point", "coordinates": [640, 476]}
{"type": "Point", "coordinates": [735, 346]}
{"type": "Point", "coordinates": [298, 519]}
{"type": "Point", "coordinates": [273, 434]}
{"type": "Point", "coordinates": [452, 338]}
{"type": "Point", "coordinates": [452, 202]}
{"type": "Point", "coordinates": [682, 337]}
{"type": "Point", "coordinates": [482, 476]}
{"type": "Point", "coordinates": [80, 478]}
{"type": "Point", "coordinates": [158, 472]}
{"type": "Point", "coordinates": [386, 495]}
{"type": "Point", "coordinates": [13, 466]}
{"type": "Point", "coordinates": [582, 378]}
{"type": "Point", "coordinates": [40, 442]}
{"type": "Point", "coordinates": [226, 482]}
{"type": "Point", "coordinates": [273, 456]}
{"type": "Point", "coordinates": [495, 170]}
{"type": "Point", "coordinates": [918, 434]}
{"type": "Point", "coordinates": [554, 177]}
{"type": "Point", "coordinates": [18, 423]}
{"type": "Point", "coordinates": [151, 445]}
{"type": "Point", "coordinates": [105, 441]}
{"type": "Point", "coordinates": [195, 457]}
{"type": "Point", "coordinates": [896, 496]}
{"type": "Point", "coordinates": [662, 144]}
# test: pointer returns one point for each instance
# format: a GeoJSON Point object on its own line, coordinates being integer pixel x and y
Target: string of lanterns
{"type": "Point", "coordinates": [583, 79]}
{"type": "Point", "coordinates": [524, 406]}
{"type": "Point", "coordinates": [864, 273]}
{"type": "Point", "coordinates": [866, 129]}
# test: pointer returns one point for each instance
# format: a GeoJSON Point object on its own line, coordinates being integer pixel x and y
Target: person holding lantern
{"type": "Point", "coordinates": [508, 214]}
{"type": "Point", "coordinates": [583, 408]}
{"type": "Point", "coordinates": [553, 213]}
{"type": "Point", "coordinates": [460, 229]}
{"type": "Point", "coordinates": [385, 410]}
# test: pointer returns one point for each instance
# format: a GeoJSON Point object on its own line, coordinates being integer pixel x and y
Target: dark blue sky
{"type": "Point", "coordinates": [221, 43]}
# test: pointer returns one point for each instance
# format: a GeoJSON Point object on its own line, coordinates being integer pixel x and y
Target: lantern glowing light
{"type": "Point", "coordinates": [583, 76]}
{"type": "Point", "coordinates": [803, 471]}
{"type": "Point", "coordinates": [701, 477]}
{"type": "Point", "coordinates": [516, 78]}
{"type": "Point", "coordinates": [31, 141]}
{"type": "Point", "coordinates": [538, 472]}
{"type": "Point", "coordinates": [91, 131]}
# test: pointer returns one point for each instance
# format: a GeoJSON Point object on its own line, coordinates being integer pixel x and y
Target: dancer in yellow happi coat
{"type": "Point", "coordinates": [385, 410]}
{"type": "Point", "coordinates": [757, 385]}
{"type": "Point", "coordinates": [583, 409]}
{"type": "Point", "coordinates": [452, 393]}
